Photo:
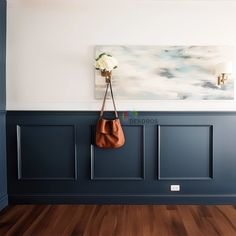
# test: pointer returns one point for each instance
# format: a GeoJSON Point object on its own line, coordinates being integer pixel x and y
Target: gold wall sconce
{"type": "Point", "coordinates": [223, 71]}
{"type": "Point", "coordinates": [222, 78]}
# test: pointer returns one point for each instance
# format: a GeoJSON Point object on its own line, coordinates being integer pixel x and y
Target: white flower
{"type": "Point", "coordinates": [106, 62]}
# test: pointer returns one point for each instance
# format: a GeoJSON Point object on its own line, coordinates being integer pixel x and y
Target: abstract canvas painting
{"type": "Point", "coordinates": [167, 72]}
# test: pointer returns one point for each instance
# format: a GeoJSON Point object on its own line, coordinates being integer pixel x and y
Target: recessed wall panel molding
{"type": "Point", "coordinates": [125, 163]}
{"type": "Point", "coordinates": [46, 152]}
{"type": "Point", "coordinates": [185, 152]}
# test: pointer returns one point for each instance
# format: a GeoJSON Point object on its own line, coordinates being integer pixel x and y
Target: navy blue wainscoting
{"type": "Point", "coordinates": [52, 158]}
{"type": "Point", "coordinates": [3, 174]}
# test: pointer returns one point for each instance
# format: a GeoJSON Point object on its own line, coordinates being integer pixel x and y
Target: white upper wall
{"type": "Point", "coordinates": [50, 46]}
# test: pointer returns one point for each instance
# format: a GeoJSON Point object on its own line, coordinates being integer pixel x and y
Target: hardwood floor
{"type": "Point", "coordinates": [118, 220]}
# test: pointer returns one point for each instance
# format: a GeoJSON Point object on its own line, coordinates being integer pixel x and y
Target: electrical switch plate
{"type": "Point", "coordinates": [175, 188]}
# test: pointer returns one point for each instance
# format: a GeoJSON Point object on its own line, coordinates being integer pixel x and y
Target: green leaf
{"type": "Point", "coordinates": [100, 56]}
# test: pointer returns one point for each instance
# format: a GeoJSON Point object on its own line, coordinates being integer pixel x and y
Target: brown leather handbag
{"type": "Point", "coordinates": [109, 133]}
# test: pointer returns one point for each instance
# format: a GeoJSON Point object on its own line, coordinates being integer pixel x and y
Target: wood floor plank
{"type": "Point", "coordinates": [77, 220]}
{"type": "Point", "coordinates": [188, 220]}
{"type": "Point", "coordinates": [84, 222]}
{"type": "Point", "coordinates": [118, 220]}
{"type": "Point", "coordinates": [229, 213]}
{"type": "Point", "coordinates": [37, 212]}
{"type": "Point", "coordinates": [203, 221]}
{"type": "Point", "coordinates": [43, 222]}
{"type": "Point", "coordinates": [221, 222]}
{"type": "Point", "coordinates": [161, 219]}
{"type": "Point", "coordinates": [9, 217]}
{"type": "Point", "coordinates": [176, 224]}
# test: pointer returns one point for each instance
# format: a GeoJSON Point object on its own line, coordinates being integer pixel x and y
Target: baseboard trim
{"type": "Point", "coordinates": [123, 199]}
{"type": "Point", "coordinates": [3, 202]}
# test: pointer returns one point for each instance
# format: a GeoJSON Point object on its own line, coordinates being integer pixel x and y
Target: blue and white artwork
{"type": "Point", "coordinates": [167, 72]}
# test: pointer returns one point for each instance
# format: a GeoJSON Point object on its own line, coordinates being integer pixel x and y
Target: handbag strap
{"type": "Point", "coordinates": [113, 100]}
{"type": "Point", "coordinates": [104, 100]}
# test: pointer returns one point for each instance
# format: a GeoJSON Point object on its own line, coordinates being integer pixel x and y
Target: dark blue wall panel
{"type": "Point", "coordinates": [193, 149]}
{"type": "Point", "coordinates": [49, 150]}
{"type": "Point", "coordinates": [131, 155]}
{"type": "Point", "coordinates": [185, 152]}
{"type": "Point", "coordinates": [3, 179]}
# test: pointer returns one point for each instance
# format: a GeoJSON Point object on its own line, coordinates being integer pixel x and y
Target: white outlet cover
{"type": "Point", "coordinates": [175, 188]}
